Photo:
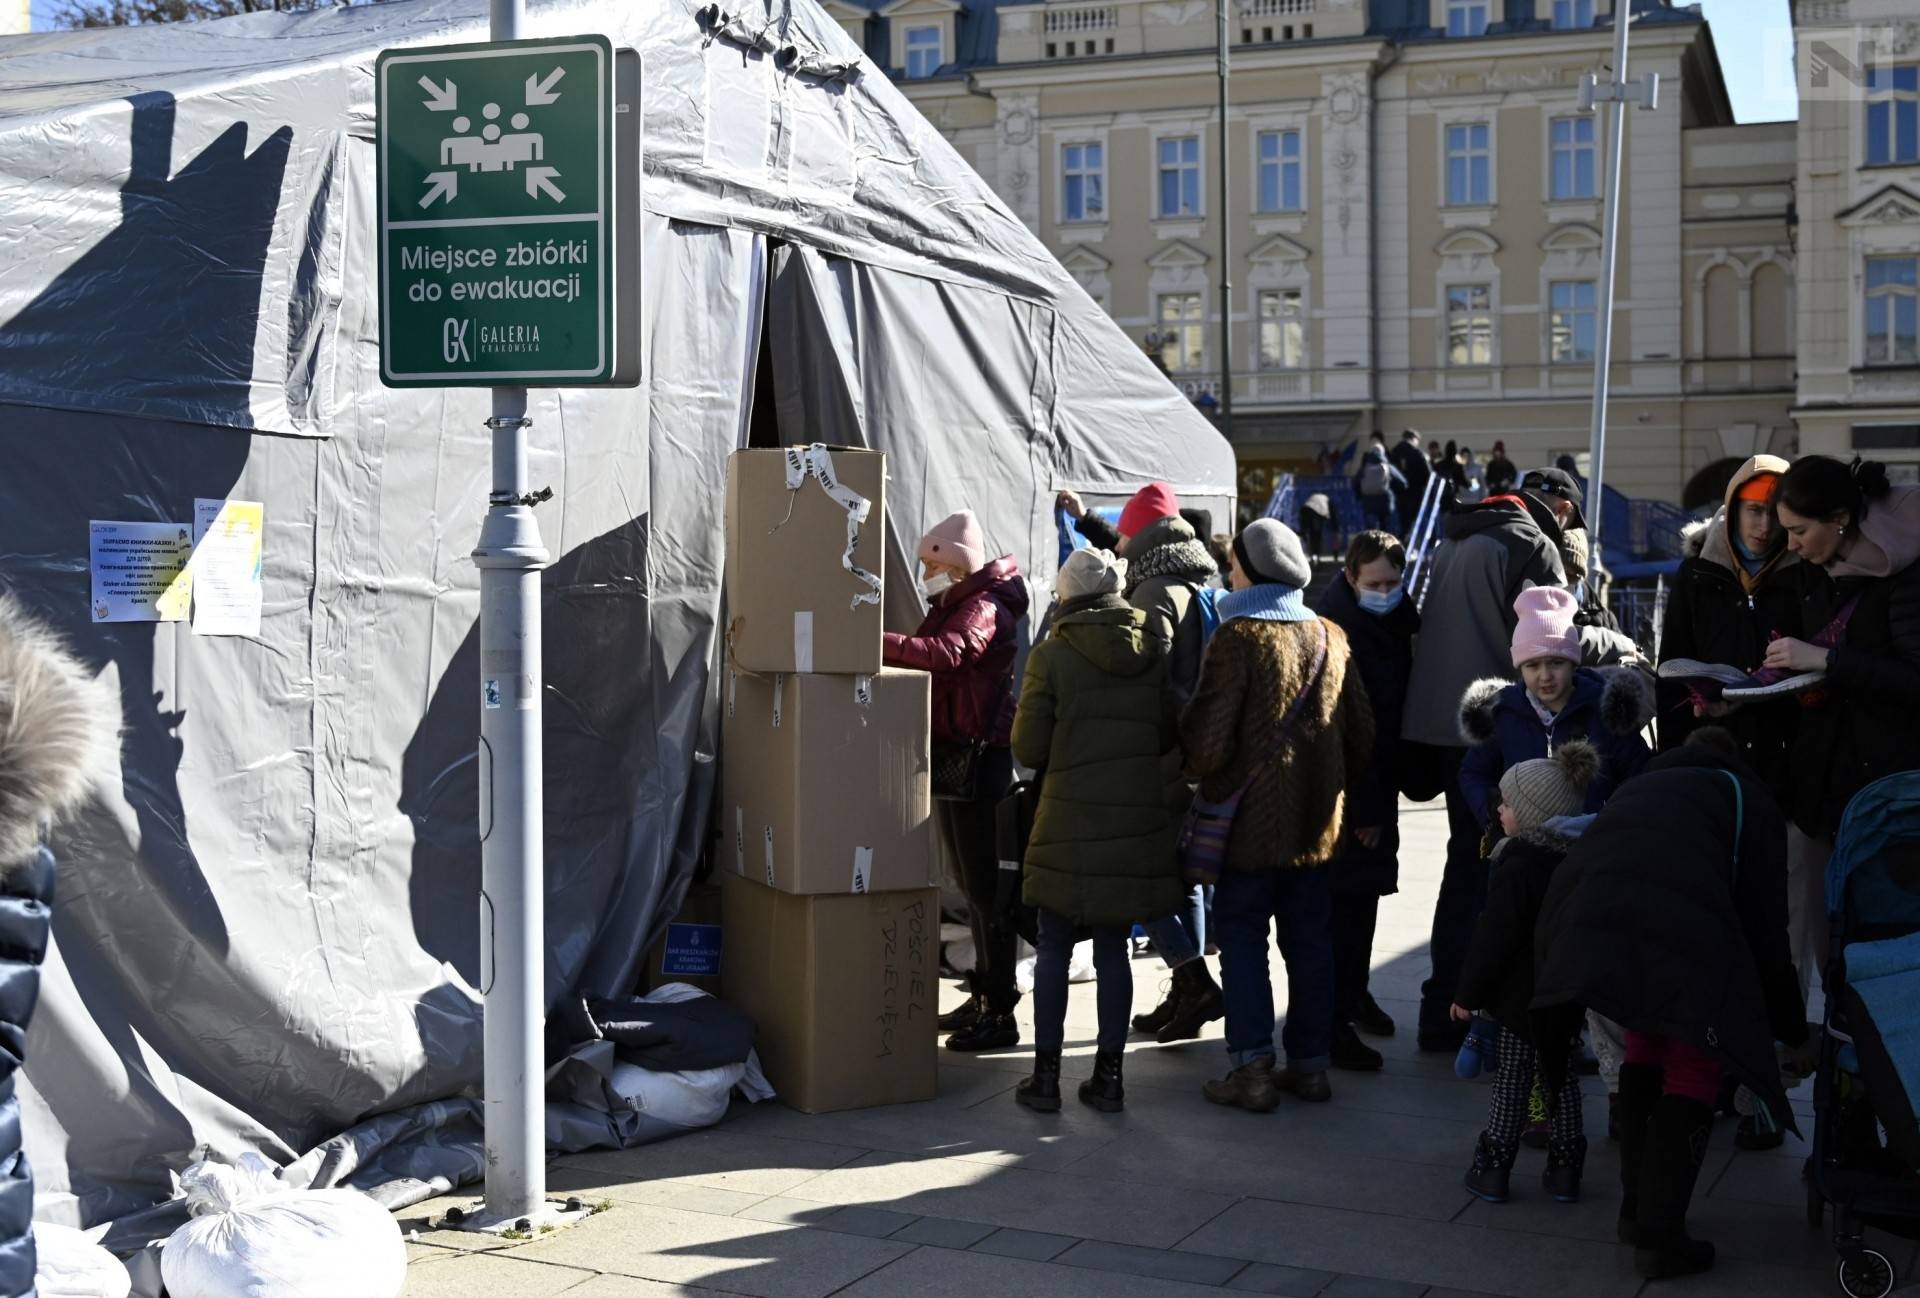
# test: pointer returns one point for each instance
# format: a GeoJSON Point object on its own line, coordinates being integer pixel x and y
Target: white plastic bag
{"type": "Point", "coordinates": [253, 1237]}
{"type": "Point", "coordinates": [695, 1097]}
{"type": "Point", "coordinates": [1079, 968]}
{"type": "Point", "coordinates": [72, 1266]}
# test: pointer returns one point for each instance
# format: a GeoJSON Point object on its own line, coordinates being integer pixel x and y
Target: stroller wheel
{"type": "Point", "coordinates": [1867, 1275]}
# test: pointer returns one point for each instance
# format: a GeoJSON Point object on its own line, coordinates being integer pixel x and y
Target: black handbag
{"type": "Point", "coordinates": [956, 769]}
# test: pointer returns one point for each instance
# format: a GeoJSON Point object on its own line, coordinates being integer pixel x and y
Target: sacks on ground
{"type": "Point", "coordinates": [253, 1237]}
{"type": "Point", "coordinates": [72, 1266]}
{"type": "Point", "coordinates": [1079, 967]}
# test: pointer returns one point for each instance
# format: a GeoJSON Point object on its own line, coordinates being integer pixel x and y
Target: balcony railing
{"type": "Point", "coordinates": [1073, 20]}
{"type": "Point", "coordinates": [1248, 385]}
{"type": "Point", "coordinates": [1277, 8]}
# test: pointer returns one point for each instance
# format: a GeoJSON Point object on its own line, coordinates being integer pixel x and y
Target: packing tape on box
{"type": "Point", "coordinates": [862, 696]}
{"type": "Point", "coordinates": [803, 641]}
{"type": "Point", "coordinates": [733, 690]}
{"type": "Point", "coordinates": [769, 856]}
{"type": "Point", "coordinates": [739, 840]}
{"type": "Point", "coordinates": [862, 868]}
{"type": "Point", "coordinates": [816, 462]}
{"type": "Point", "coordinates": [779, 697]}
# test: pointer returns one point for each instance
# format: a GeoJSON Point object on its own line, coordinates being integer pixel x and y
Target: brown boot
{"type": "Point", "coordinates": [1251, 1086]}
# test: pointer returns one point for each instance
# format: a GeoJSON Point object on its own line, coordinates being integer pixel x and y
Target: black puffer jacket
{"type": "Point", "coordinates": [1650, 922]}
{"type": "Point", "coordinates": [1498, 974]}
{"type": "Point", "coordinates": [1711, 618]}
{"type": "Point", "coordinates": [58, 726]}
{"type": "Point", "coordinates": [1383, 655]}
{"type": "Point", "coordinates": [1861, 725]}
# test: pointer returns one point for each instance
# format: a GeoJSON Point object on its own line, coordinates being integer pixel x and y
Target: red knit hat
{"type": "Point", "coordinates": [1149, 505]}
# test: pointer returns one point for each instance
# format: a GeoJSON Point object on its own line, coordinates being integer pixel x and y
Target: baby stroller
{"type": "Point", "coordinates": [1866, 1143]}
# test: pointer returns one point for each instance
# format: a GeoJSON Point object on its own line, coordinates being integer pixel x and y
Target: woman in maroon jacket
{"type": "Point", "coordinates": [968, 643]}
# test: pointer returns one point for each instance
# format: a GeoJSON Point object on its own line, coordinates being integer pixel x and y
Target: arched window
{"type": "Point", "coordinates": [1722, 306]}
{"type": "Point", "coordinates": [1772, 311]}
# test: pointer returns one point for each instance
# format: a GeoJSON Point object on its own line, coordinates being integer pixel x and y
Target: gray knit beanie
{"type": "Point", "coordinates": [1546, 787]}
{"type": "Point", "coordinates": [1270, 552]}
{"type": "Point", "coordinates": [1090, 572]}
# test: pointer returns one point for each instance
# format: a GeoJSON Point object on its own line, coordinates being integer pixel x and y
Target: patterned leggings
{"type": "Point", "coordinates": [1507, 1109]}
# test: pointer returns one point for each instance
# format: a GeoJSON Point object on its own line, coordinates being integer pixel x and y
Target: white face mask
{"type": "Point", "coordinates": [936, 586]}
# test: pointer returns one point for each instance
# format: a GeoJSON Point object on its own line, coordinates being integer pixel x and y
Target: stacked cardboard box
{"type": "Point", "coordinates": [831, 913]}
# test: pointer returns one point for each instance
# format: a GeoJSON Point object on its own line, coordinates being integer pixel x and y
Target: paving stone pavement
{"type": "Point", "coordinates": [969, 1195]}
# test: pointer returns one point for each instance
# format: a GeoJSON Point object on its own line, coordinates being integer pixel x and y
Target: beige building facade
{"type": "Point", "coordinates": [1858, 187]}
{"type": "Point", "coordinates": [1414, 214]}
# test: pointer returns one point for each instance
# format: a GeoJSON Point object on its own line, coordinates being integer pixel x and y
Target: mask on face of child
{"type": "Point", "coordinates": [1382, 602]}
{"type": "Point", "coordinates": [936, 586]}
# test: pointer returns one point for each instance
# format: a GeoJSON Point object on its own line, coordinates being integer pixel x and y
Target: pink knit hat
{"type": "Point", "coordinates": [1546, 628]}
{"type": "Point", "coordinates": [1149, 505]}
{"type": "Point", "coordinates": [956, 540]}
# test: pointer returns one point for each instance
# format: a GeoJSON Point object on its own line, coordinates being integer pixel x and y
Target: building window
{"type": "Point", "coordinates": [1570, 15]}
{"type": "Point", "coordinates": [1468, 17]}
{"type": "Point", "coordinates": [1469, 324]}
{"type": "Point", "coordinates": [1573, 157]}
{"type": "Point", "coordinates": [1570, 327]}
{"type": "Point", "coordinates": [1083, 182]}
{"type": "Point", "coordinates": [1180, 176]}
{"type": "Point", "coordinates": [1280, 189]}
{"type": "Point", "coordinates": [1469, 164]}
{"type": "Point", "coordinates": [1283, 330]}
{"type": "Point", "coordinates": [924, 53]}
{"type": "Point", "coordinates": [1893, 115]}
{"type": "Point", "coordinates": [1893, 310]}
{"type": "Point", "coordinates": [1183, 333]}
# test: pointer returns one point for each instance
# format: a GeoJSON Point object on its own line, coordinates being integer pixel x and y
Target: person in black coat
{"type": "Point", "coordinates": [1669, 916]}
{"type": "Point", "coordinates": [1416, 469]}
{"type": "Point", "coordinates": [1369, 603]}
{"type": "Point", "coordinates": [57, 729]}
{"type": "Point", "coordinates": [1497, 978]}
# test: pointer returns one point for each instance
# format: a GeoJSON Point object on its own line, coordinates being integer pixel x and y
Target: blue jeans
{"type": "Point", "coordinates": [1181, 936]}
{"type": "Point", "coordinates": [1297, 906]}
{"type": "Point", "coordinates": [1114, 995]}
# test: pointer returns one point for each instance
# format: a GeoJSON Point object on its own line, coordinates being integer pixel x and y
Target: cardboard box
{"type": "Point", "coordinates": [827, 781]}
{"type": "Point", "coordinates": [843, 991]}
{"type": "Point", "coordinates": [806, 552]}
{"type": "Point", "coordinates": [693, 948]}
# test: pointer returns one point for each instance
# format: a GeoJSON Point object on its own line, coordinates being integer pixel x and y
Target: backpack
{"type": "Point", "coordinates": [1374, 480]}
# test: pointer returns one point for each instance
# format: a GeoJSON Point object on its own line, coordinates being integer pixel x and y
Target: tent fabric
{"type": "Point", "coordinates": [268, 936]}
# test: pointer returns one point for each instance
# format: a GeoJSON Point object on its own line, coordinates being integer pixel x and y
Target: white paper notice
{"type": "Point", "coordinates": [226, 566]}
{"type": "Point", "coordinates": [140, 571]}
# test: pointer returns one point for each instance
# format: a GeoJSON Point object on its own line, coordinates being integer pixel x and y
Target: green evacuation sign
{"type": "Point", "coordinates": [496, 213]}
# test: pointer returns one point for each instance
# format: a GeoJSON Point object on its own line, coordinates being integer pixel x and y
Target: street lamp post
{"type": "Point", "coordinates": [1617, 92]}
{"type": "Point", "coordinates": [1226, 241]}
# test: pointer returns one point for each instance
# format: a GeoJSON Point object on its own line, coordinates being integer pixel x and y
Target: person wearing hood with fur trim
{"type": "Point", "coordinates": [1281, 721]}
{"type": "Point", "coordinates": [967, 642]}
{"type": "Point", "coordinates": [1096, 720]}
{"type": "Point", "coordinates": [1536, 798]}
{"type": "Point", "coordinates": [1556, 701]}
{"type": "Point", "coordinates": [59, 727]}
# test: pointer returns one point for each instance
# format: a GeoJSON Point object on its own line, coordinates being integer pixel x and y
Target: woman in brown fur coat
{"type": "Point", "coordinates": [1269, 652]}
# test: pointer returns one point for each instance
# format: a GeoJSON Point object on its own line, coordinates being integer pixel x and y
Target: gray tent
{"type": "Point", "coordinates": [266, 927]}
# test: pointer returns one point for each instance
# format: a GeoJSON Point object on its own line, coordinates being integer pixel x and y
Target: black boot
{"type": "Point", "coordinates": [1492, 1169]}
{"type": "Point", "coordinates": [1676, 1147]}
{"type": "Point", "coordinates": [1041, 1092]}
{"type": "Point", "coordinates": [1196, 1003]}
{"type": "Point", "coordinates": [1353, 1054]}
{"type": "Point", "coordinates": [964, 1016]}
{"type": "Point", "coordinates": [1639, 1092]}
{"type": "Point", "coordinates": [1151, 1022]}
{"type": "Point", "coordinates": [1565, 1163]}
{"type": "Point", "coordinates": [988, 1032]}
{"type": "Point", "coordinates": [1370, 1018]}
{"type": "Point", "coordinates": [1103, 1091]}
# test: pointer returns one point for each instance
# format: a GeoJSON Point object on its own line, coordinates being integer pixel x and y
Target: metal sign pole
{"type": "Point", "coordinates": [512, 892]}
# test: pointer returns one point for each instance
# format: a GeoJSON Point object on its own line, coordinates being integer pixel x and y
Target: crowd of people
{"type": "Point", "coordinates": [1222, 761]}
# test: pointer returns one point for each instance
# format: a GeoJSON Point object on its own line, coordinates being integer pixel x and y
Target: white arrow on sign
{"type": "Point", "coordinates": [539, 178]}
{"type": "Point", "coordinates": [444, 184]}
{"type": "Point", "coordinates": [440, 99]}
{"type": "Point", "coordinates": [542, 92]}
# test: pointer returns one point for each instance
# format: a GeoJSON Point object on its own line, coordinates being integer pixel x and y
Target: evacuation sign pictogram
{"type": "Point", "coordinates": [496, 213]}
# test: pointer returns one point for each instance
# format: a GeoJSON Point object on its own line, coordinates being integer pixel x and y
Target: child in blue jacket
{"type": "Point", "coordinates": [1557, 700]}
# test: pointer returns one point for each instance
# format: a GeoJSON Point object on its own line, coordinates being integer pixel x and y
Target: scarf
{"type": "Point", "coordinates": [1185, 560]}
{"type": "Point", "coordinates": [1752, 569]}
{"type": "Point", "coordinates": [1267, 602]}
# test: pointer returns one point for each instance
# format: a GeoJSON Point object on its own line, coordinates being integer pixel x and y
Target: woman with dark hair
{"type": "Point", "coordinates": [1865, 618]}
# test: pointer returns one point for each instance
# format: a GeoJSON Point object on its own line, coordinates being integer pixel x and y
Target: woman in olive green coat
{"type": "Point", "coordinates": [1096, 719]}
